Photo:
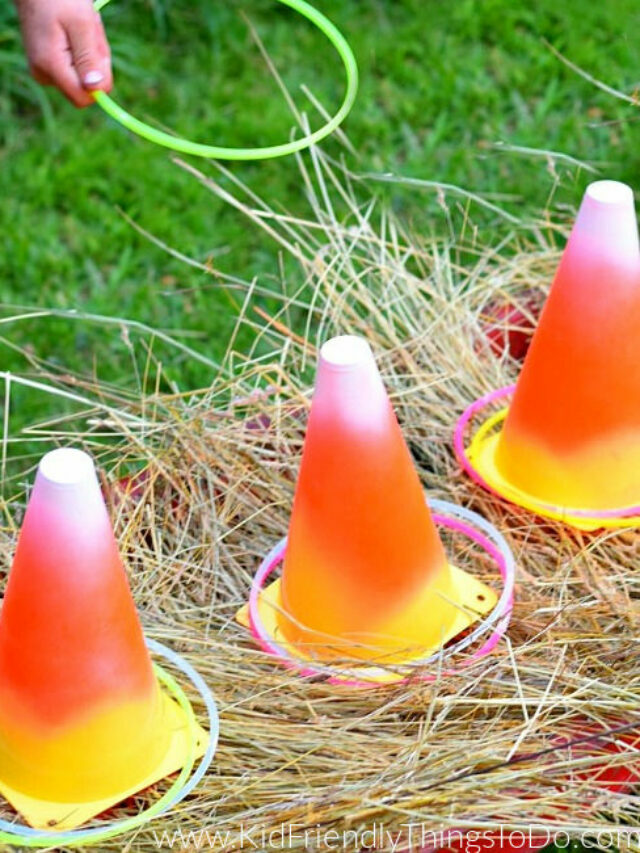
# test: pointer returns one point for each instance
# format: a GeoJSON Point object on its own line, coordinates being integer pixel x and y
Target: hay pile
{"type": "Point", "coordinates": [481, 749]}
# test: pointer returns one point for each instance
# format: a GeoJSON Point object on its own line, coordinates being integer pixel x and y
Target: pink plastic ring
{"type": "Point", "coordinates": [535, 505]}
{"type": "Point", "coordinates": [453, 517]}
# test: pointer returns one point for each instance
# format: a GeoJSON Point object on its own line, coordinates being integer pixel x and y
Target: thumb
{"type": "Point", "coordinates": [87, 56]}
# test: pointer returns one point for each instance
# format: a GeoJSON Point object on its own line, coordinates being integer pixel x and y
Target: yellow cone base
{"type": "Point", "coordinates": [472, 597]}
{"type": "Point", "coordinates": [43, 814]}
{"type": "Point", "coordinates": [482, 453]}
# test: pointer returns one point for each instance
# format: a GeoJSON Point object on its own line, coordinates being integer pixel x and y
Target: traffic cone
{"type": "Point", "coordinates": [571, 436]}
{"type": "Point", "coordinates": [365, 574]}
{"type": "Point", "coordinates": [83, 722]}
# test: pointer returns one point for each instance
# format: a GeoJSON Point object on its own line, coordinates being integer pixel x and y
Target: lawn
{"type": "Point", "coordinates": [448, 91]}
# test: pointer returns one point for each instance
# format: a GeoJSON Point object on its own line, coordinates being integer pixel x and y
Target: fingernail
{"type": "Point", "coordinates": [93, 78]}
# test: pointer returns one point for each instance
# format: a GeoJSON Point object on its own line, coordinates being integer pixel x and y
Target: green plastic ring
{"type": "Point", "coordinates": [186, 146]}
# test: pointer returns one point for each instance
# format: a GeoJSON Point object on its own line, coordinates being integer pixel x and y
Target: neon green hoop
{"type": "Point", "coordinates": [186, 146]}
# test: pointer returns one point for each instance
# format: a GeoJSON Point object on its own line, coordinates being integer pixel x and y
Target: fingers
{"type": "Point", "coordinates": [51, 65]}
{"type": "Point", "coordinates": [64, 76]}
{"type": "Point", "coordinates": [90, 56]}
{"type": "Point", "coordinates": [105, 54]}
{"type": "Point", "coordinates": [67, 47]}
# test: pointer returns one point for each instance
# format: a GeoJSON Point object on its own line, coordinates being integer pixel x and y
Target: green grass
{"type": "Point", "coordinates": [442, 83]}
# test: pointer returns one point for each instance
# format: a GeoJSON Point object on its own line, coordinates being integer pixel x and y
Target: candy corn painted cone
{"type": "Point", "coordinates": [365, 574]}
{"type": "Point", "coordinates": [83, 722]}
{"type": "Point", "coordinates": [572, 435]}
{"type": "Point", "coordinates": [569, 445]}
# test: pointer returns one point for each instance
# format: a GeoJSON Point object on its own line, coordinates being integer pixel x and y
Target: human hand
{"type": "Point", "coordinates": [66, 47]}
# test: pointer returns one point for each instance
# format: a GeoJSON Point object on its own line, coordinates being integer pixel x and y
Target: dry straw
{"type": "Point", "coordinates": [217, 472]}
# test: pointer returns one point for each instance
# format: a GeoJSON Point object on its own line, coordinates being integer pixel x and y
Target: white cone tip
{"type": "Point", "coordinates": [610, 192]}
{"type": "Point", "coordinates": [606, 227]}
{"type": "Point", "coordinates": [66, 466]}
{"type": "Point", "coordinates": [345, 351]}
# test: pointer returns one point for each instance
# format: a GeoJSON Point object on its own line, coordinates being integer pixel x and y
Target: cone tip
{"type": "Point", "coordinates": [345, 351]}
{"type": "Point", "coordinates": [609, 192]}
{"type": "Point", "coordinates": [66, 466]}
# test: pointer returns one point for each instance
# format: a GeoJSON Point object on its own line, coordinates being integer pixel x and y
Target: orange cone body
{"type": "Point", "coordinates": [80, 709]}
{"type": "Point", "coordinates": [365, 572]}
{"type": "Point", "coordinates": [572, 434]}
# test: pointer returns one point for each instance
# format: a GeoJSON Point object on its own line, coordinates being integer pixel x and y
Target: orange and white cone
{"type": "Point", "coordinates": [365, 573]}
{"type": "Point", "coordinates": [569, 444]}
{"type": "Point", "coordinates": [83, 722]}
